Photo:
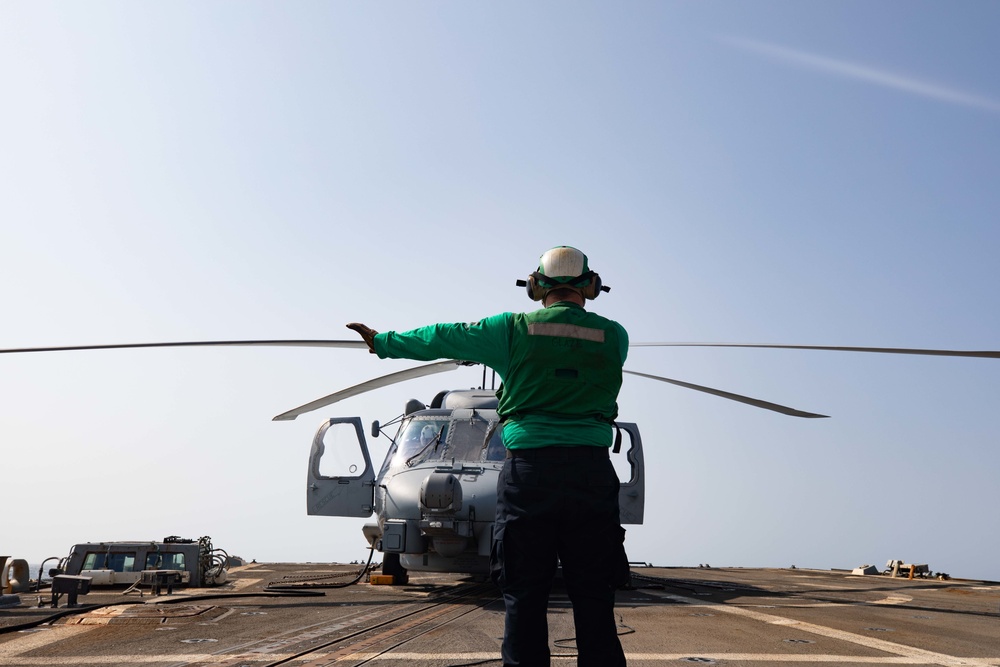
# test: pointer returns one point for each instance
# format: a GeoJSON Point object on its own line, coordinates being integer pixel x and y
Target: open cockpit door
{"type": "Point", "coordinates": [341, 478]}
{"type": "Point", "coordinates": [629, 466]}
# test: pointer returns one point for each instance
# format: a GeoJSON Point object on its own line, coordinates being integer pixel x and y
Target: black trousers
{"type": "Point", "coordinates": [559, 504]}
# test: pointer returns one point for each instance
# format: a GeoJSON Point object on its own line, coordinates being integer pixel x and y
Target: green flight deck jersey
{"type": "Point", "coordinates": [561, 369]}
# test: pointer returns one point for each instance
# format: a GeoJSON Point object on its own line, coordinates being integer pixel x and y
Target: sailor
{"type": "Point", "coordinates": [557, 495]}
{"type": "Point", "coordinates": [427, 434]}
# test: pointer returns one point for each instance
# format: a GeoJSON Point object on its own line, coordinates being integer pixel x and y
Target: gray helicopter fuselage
{"type": "Point", "coordinates": [435, 495]}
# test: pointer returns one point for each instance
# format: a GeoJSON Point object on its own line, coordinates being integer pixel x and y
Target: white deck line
{"type": "Point", "coordinates": [910, 654]}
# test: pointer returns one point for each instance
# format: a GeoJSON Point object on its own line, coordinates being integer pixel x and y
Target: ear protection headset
{"type": "Point", "coordinates": [569, 266]}
{"type": "Point", "coordinates": [588, 284]}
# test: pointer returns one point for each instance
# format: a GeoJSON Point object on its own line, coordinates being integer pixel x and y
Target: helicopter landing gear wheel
{"type": "Point", "coordinates": [391, 565]}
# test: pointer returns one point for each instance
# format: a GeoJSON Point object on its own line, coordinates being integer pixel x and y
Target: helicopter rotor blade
{"type": "Point", "coordinates": [990, 354]}
{"type": "Point", "coordinates": [756, 402]}
{"type": "Point", "coordinates": [377, 383]}
{"type": "Point", "coordinates": [359, 344]}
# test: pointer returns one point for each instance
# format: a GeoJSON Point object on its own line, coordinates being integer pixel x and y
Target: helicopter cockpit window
{"type": "Point", "coordinates": [496, 451]}
{"type": "Point", "coordinates": [419, 439]}
{"type": "Point", "coordinates": [467, 437]}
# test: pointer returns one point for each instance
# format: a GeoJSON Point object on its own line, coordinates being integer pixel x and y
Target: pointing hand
{"type": "Point", "coordinates": [367, 333]}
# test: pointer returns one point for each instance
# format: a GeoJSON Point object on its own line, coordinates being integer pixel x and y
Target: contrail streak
{"type": "Point", "coordinates": [867, 74]}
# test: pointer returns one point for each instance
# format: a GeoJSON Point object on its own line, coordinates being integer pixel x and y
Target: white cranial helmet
{"type": "Point", "coordinates": [563, 264]}
{"type": "Point", "coordinates": [563, 267]}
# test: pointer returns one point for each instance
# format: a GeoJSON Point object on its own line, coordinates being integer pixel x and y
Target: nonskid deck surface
{"type": "Point", "coordinates": [729, 616]}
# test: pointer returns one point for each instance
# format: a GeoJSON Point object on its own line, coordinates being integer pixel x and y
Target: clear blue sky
{"type": "Point", "coordinates": [779, 172]}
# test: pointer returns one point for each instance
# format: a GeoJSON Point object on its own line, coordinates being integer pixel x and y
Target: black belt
{"type": "Point", "coordinates": [559, 453]}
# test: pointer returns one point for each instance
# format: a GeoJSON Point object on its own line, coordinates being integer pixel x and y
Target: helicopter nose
{"type": "Point", "coordinates": [440, 501]}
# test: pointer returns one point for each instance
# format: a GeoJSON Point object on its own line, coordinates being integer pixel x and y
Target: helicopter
{"type": "Point", "coordinates": [433, 496]}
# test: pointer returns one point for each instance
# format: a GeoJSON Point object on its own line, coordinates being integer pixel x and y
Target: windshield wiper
{"type": "Point", "coordinates": [434, 441]}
